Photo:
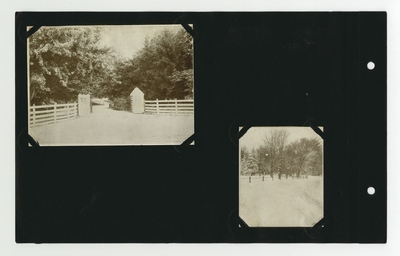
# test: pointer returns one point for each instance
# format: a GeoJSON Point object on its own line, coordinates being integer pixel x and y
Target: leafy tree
{"type": "Point", "coordinates": [122, 84]}
{"type": "Point", "coordinates": [249, 162]}
{"type": "Point", "coordinates": [67, 61]}
{"type": "Point", "coordinates": [243, 160]}
{"type": "Point", "coordinates": [252, 162]}
{"type": "Point", "coordinates": [243, 166]}
{"type": "Point", "coordinates": [162, 69]}
{"type": "Point", "coordinates": [182, 84]}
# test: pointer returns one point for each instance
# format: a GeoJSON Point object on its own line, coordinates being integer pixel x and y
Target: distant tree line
{"type": "Point", "coordinates": [275, 156]}
{"type": "Point", "coordinates": [66, 61]}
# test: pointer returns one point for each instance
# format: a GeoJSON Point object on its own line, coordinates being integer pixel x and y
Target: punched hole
{"type": "Point", "coordinates": [371, 191]}
{"type": "Point", "coordinates": [371, 65]}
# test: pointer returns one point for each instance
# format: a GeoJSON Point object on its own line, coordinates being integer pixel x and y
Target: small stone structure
{"type": "Point", "coordinates": [137, 101]}
{"type": "Point", "coordinates": [84, 106]}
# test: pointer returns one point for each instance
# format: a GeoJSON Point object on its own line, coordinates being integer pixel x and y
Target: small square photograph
{"type": "Point", "coordinates": [281, 177]}
{"type": "Point", "coordinates": [110, 85]}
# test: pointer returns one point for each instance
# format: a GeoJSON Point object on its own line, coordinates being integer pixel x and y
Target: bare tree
{"type": "Point", "coordinates": [275, 146]}
{"type": "Point", "coordinates": [305, 156]}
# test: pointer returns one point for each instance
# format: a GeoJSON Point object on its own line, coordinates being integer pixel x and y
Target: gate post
{"type": "Point", "coordinates": [137, 101]}
{"type": "Point", "coordinates": [84, 104]}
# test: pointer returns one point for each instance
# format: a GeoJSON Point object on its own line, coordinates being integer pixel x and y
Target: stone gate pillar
{"type": "Point", "coordinates": [84, 104]}
{"type": "Point", "coordinates": [137, 101]}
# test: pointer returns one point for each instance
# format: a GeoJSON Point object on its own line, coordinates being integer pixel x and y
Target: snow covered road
{"type": "Point", "coordinates": [281, 203]}
{"type": "Point", "coordinates": [110, 127]}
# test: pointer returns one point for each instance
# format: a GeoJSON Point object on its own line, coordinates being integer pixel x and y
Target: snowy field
{"type": "Point", "coordinates": [281, 203]}
{"type": "Point", "coordinates": [110, 127]}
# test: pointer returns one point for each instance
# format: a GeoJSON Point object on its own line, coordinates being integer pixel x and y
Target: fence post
{"type": "Point", "coordinates": [55, 112]}
{"type": "Point", "coordinates": [33, 115]}
{"type": "Point", "coordinates": [75, 109]}
{"type": "Point", "coordinates": [157, 105]}
{"type": "Point", "coordinates": [176, 106]}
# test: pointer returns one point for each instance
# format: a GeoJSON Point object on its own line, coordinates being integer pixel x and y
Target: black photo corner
{"type": "Point", "coordinates": [306, 69]}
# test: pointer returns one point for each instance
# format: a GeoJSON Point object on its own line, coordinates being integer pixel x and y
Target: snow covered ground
{"type": "Point", "coordinates": [110, 127]}
{"type": "Point", "coordinates": [281, 203]}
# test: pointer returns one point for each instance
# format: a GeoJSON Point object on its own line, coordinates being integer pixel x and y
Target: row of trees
{"type": "Point", "coordinates": [275, 156]}
{"type": "Point", "coordinates": [162, 69]}
{"type": "Point", "coordinates": [66, 61]}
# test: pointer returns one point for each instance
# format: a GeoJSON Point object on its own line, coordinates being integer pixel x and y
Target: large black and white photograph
{"type": "Point", "coordinates": [110, 85]}
{"type": "Point", "coordinates": [281, 177]}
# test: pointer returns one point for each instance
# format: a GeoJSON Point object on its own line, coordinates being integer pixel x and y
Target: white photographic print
{"type": "Point", "coordinates": [281, 177]}
{"type": "Point", "coordinates": [110, 85]}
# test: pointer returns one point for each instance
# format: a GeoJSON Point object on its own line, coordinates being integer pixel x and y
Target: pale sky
{"type": "Point", "coordinates": [128, 39]}
{"type": "Point", "coordinates": [254, 136]}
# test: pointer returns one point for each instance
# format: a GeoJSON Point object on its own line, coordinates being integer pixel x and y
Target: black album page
{"type": "Point", "coordinates": [201, 127]}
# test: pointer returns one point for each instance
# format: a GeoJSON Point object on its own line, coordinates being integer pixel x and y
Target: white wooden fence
{"type": "Point", "coordinates": [179, 107]}
{"type": "Point", "coordinates": [48, 114]}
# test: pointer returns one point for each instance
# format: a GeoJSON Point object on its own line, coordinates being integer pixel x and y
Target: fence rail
{"type": "Point", "coordinates": [179, 107]}
{"type": "Point", "coordinates": [48, 114]}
